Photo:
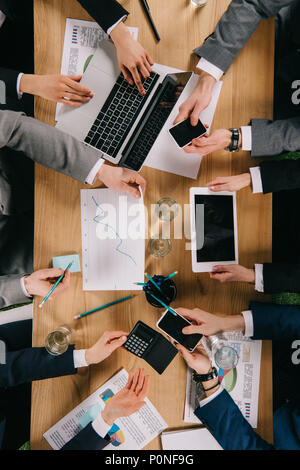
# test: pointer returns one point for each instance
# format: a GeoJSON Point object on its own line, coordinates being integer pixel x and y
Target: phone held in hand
{"type": "Point", "coordinates": [173, 324]}
{"type": "Point", "coordinates": [183, 133]}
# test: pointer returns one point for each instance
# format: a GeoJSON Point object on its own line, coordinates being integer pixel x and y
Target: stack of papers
{"type": "Point", "coordinates": [189, 439]}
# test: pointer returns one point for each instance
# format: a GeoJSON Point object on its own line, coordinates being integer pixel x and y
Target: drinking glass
{"type": "Point", "coordinates": [167, 209]}
{"type": "Point", "coordinates": [57, 342]}
{"type": "Point", "coordinates": [225, 356]}
{"type": "Point", "coordinates": [198, 3]}
{"type": "Point", "coordinates": [159, 246]}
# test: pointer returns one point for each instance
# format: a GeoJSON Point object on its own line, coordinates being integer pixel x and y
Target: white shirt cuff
{"type": "Point", "coordinates": [79, 358]}
{"type": "Point", "coordinates": [249, 328]}
{"type": "Point", "coordinates": [18, 85]}
{"type": "Point", "coordinates": [255, 173]}
{"type": "Point", "coordinates": [210, 68]}
{"type": "Point", "coordinates": [2, 18]}
{"type": "Point", "coordinates": [100, 426]}
{"type": "Point", "coordinates": [211, 397]}
{"type": "Point", "coordinates": [246, 138]}
{"type": "Point", "coordinates": [116, 24]}
{"type": "Point", "coordinates": [24, 288]}
{"type": "Point", "coordinates": [259, 277]}
{"type": "Point", "coordinates": [92, 174]}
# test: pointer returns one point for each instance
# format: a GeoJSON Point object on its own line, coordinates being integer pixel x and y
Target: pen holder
{"type": "Point", "coordinates": [168, 288]}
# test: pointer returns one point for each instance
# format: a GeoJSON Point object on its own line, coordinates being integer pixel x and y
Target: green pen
{"type": "Point", "coordinates": [55, 285]}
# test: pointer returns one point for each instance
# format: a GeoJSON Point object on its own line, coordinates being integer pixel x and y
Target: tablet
{"type": "Point", "coordinates": [213, 229]}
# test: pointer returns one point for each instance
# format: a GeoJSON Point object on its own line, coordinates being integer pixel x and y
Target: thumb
{"type": "Point", "coordinates": [76, 78]}
{"type": "Point", "coordinates": [184, 352]}
{"type": "Point", "coordinates": [189, 330]}
{"type": "Point", "coordinates": [132, 190]}
{"type": "Point", "coordinates": [117, 343]}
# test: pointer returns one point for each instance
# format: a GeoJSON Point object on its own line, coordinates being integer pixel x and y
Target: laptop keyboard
{"type": "Point", "coordinates": [118, 114]}
{"type": "Point", "coordinates": [150, 131]}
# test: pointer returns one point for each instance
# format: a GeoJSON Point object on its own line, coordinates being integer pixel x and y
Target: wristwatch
{"type": "Point", "coordinates": [213, 374]}
{"type": "Point", "coordinates": [234, 144]}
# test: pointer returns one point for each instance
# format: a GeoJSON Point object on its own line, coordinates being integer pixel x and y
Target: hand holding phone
{"type": "Point", "coordinates": [173, 324]}
{"type": "Point", "coordinates": [183, 133]}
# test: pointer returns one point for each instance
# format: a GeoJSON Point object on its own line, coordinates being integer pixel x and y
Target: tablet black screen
{"type": "Point", "coordinates": [216, 241]}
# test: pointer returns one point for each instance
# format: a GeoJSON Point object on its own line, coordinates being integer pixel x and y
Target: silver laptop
{"type": "Point", "coordinates": [118, 121]}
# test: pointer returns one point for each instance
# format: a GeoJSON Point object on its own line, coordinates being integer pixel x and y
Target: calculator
{"type": "Point", "coordinates": [139, 339]}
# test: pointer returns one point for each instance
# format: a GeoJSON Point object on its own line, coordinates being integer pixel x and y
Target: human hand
{"type": "Point", "coordinates": [206, 144]}
{"type": "Point", "coordinates": [60, 88]}
{"type": "Point", "coordinates": [122, 179]}
{"type": "Point", "coordinates": [202, 322]}
{"type": "Point", "coordinates": [107, 344]}
{"type": "Point", "coordinates": [40, 282]}
{"type": "Point", "coordinates": [128, 400]}
{"type": "Point", "coordinates": [197, 360]}
{"type": "Point", "coordinates": [198, 100]}
{"type": "Point", "coordinates": [134, 61]}
{"type": "Point", "coordinates": [230, 183]}
{"type": "Point", "coordinates": [232, 272]}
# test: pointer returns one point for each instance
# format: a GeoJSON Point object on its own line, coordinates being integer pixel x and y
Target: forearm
{"type": "Point", "coordinates": [271, 138]}
{"type": "Point", "coordinates": [281, 278]}
{"type": "Point", "coordinates": [235, 29]}
{"type": "Point", "coordinates": [106, 12]}
{"type": "Point", "coordinates": [46, 145]}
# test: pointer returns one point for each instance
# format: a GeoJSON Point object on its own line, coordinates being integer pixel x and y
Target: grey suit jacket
{"type": "Point", "coordinates": [23, 138]}
{"type": "Point", "coordinates": [235, 28]}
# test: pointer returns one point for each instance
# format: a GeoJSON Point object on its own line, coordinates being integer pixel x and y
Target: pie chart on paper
{"type": "Point", "coordinates": [229, 378]}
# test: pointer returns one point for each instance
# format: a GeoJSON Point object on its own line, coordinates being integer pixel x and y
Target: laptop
{"type": "Point", "coordinates": [119, 122]}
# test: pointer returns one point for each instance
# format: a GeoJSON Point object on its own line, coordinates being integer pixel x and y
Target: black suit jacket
{"type": "Point", "coordinates": [17, 34]}
{"type": "Point", "coordinates": [279, 277]}
{"type": "Point", "coordinates": [280, 175]}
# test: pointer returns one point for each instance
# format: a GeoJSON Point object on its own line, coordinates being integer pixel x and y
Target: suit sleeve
{"type": "Point", "coordinates": [105, 12]}
{"type": "Point", "coordinates": [46, 145]}
{"type": "Point", "coordinates": [30, 364]}
{"type": "Point", "coordinates": [10, 290]}
{"type": "Point", "coordinates": [10, 78]}
{"type": "Point", "coordinates": [87, 439]}
{"type": "Point", "coordinates": [281, 277]}
{"type": "Point", "coordinates": [235, 29]}
{"type": "Point", "coordinates": [226, 423]}
{"type": "Point", "coordinates": [271, 138]}
{"type": "Point", "coordinates": [280, 175]}
{"type": "Point", "coordinates": [275, 322]}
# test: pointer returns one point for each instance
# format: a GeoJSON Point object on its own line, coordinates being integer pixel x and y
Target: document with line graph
{"type": "Point", "coordinates": [113, 240]}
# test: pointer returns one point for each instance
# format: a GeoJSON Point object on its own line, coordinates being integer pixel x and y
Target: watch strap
{"type": "Point", "coordinates": [234, 144]}
{"type": "Point", "coordinates": [205, 377]}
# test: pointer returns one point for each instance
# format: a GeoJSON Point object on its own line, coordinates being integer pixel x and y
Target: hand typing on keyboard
{"type": "Point", "coordinates": [134, 61]}
{"type": "Point", "coordinates": [121, 179]}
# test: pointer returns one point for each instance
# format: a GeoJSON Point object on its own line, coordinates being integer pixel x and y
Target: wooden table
{"type": "Point", "coordinates": [247, 92]}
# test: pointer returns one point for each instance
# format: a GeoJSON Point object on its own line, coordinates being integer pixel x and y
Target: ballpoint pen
{"type": "Point", "coordinates": [148, 14]}
{"type": "Point", "coordinates": [55, 285]}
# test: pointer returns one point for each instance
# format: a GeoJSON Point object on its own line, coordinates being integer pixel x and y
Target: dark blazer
{"type": "Point", "coordinates": [281, 278]}
{"type": "Point", "coordinates": [222, 416]}
{"type": "Point", "coordinates": [17, 32]}
{"type": "Point", "coordinates": [280, 175]}
{"type": "Point", "coordinates": [23, 365]}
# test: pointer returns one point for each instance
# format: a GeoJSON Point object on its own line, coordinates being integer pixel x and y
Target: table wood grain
{"type": "Point", "coordinates": [247, 92]}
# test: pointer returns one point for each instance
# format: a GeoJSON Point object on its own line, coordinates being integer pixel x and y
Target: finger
{"type": "Point", "coordinates": [129, 381]}
{"type": "Point", "coordinates": [127, 75]}
{"type": "Point", "coordinates": [182, 115]}
{"type": "Point", "coordinates": [149, 59]}
{"type": "Point", "coordinates": [137, 80]}
{"type": "Point", "coordinates": [147, 65]}
{"type": "Point", "coordinates": [131, 189]}
{"type": "Point", "coordinates": [138, 180]}
{"type": "Point", "coordinates": [195, 114]}
{"type": "Point", "coordinates": [219, 187]}
{"type": "Point", "coordinates": [144, 391]}
{"type": "Point", "coordinates": [50, 273]}
{"type": "Point", "coordinates": [140, 382]}
{"type": "Point", "coordinates": [74, 97]}
{"type": "Point", "coordinates": [144, 71]}
{"type": "Point", "coordinates": [117, 343]}
{"type": "Point", "coordinates": [193, 149]}
{"type": "Point", "coordinates": [112, 335]}
{"type": "Point", "coordinates": [187, 313]}
{"type": "Point", "coordinates": [72, 82]}
{"type": "Point", "coordinates": [187, 356]}
{"type": "Point", "coordinates": [73, 104]}
{"type": "Point", "coordinates": [192, 329]}
{"type": "Point", "coordinates": [222, 277]}
{"type": "Point", "coordinates": [135, 380]}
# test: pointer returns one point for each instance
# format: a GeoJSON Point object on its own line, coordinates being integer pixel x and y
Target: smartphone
{"type": "Point", "coordinates": [183, 133]}
{"type": "Point", "coordinates": [172, 325]}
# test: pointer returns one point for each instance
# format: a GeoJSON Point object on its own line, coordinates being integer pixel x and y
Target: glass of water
{"type": "Point", "coordinates": [159, 246]}
{"type": "Point", "coordinates": [57, 342]}
{"type": "Point", "coordinates": [198, 3]}
{"type": "Point", "coordinates": [167, 209]}
{"type": "Point", "coordinates": [225, 356]}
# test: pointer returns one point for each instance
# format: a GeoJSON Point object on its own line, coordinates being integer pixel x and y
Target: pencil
{"type": "Point", "coordinates": [103, 306]}
{"type": "Point", "coordinates": [55, 285]}
{"type": "Point", "coordinates": [139, 283]}
{"type": "Point", "coordinates": [171, 275]}
{"type": "Point", "coordinates": [164, 305]}
{"type": "Point", "coordinates": [153, 282]}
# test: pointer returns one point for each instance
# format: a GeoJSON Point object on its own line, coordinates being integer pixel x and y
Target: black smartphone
{"type": "Point", "coordinates": [183, 133]}
{"type": "Point", "coordinates": [172, 325]}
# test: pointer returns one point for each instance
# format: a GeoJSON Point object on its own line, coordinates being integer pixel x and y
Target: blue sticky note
{"type": "Point", "coordinates": [63, 261]}
{"type": "Point", "coordinates": [90, 415]}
